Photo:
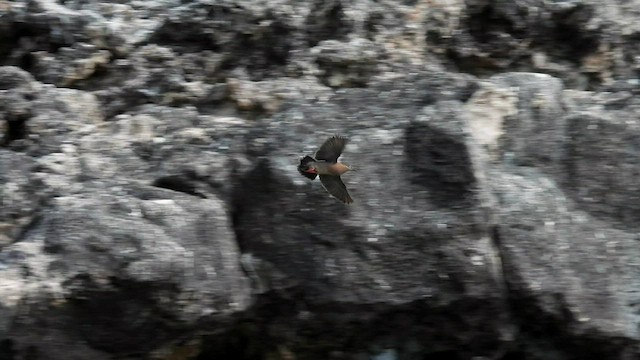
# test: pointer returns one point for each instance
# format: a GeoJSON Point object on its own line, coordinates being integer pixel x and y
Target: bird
{"type": "Point", "coordinates": [326, 165]}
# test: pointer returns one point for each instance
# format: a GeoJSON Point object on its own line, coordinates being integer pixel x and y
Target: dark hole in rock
{"type": "Point", "coordinates": [15, 130]}
{"type": "Point", "coordinates": [27, 62]}
{"type": "Point", "coordinates": [7, 350]}
{"type": "Point", "coordinates": [179, 183]}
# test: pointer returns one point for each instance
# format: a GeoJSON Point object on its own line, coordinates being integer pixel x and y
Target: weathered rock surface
{"type": "Point", "coordinates": [150, 206]}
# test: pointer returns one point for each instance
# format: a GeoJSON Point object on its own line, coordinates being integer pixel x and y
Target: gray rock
{"type": "Point", "coordinates": [151, 207]}
{"type": "Point", "coordinates": [564, 266]}
{"type": "Point", "coordinates": [20, 196]}
{"type": "Point", "coordinates": [536, 133]}
{"type": "Point", "coordinates": [70, 64]}
{"type": "Point", "coordinates": [124, 268]}
{"type": "Point", "coordinates": [601, 166]}
{"type": "Point", "coordinates": [346, 64]}
{"type": "Point", "coordinates": [581, 42]}
{"type": "Point", "coordinates": [40, 118]}
{"type": "Point", "coordinates": [16, 92]}
{"type": "Point", "coordinates": [416, 199]}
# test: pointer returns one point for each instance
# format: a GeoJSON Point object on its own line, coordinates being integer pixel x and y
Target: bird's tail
{"type": "Point", "coordinates": [304, 166]}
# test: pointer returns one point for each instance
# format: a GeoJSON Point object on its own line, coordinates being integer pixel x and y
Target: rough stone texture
{"type": "Point", "coordinates": [20, 198]}
{"type": "Point", "coordinates": [583, 42]}
{"type": "Point", "coordinates": [123, 268]}
{"type": "Point", "coordinates": [421, 205]}
{"type": "Point", "coordinates": [568, 272]}
{"type": "Point", "coordinates": [535, 134]}
{"type": "Point", "coordinates": [150, 206]}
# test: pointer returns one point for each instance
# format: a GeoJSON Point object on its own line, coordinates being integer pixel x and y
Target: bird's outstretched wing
{"type": "Point", "coordinates": [335, 187]}
{"type": "Point", "coordinates": [331, 149]}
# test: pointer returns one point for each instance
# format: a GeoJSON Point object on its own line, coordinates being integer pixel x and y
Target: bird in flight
{"type": "Point", "coordinates": [326, 166]}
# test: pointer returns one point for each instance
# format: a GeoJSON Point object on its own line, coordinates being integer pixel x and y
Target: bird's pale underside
{"type": "Point", "coordinates": [326, 166]}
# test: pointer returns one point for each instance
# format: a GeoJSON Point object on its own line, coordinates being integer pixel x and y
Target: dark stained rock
{"type": "Point", "coordinates": [416, 199]}
{"type": "Point", "coordinates": [601, 166]}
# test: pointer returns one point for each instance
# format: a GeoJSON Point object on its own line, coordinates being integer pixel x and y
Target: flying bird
{"type": "Point", "coordinates": [326, 166]}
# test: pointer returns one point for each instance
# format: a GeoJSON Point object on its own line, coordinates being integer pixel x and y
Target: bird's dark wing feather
{"type": "Point", "coordinates": [309, 176]}
{"type": "Point", "coordinates": [331, 149]}
{"type": "Point", "coordinates": [335, 187]}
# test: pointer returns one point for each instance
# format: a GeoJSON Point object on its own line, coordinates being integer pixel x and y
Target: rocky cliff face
{"type": "Point", "coordinates": [150, 206]}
